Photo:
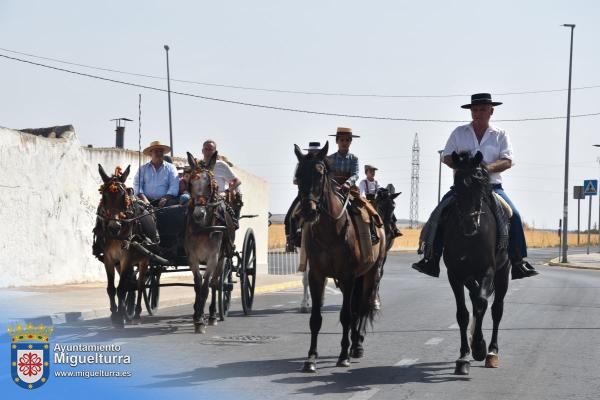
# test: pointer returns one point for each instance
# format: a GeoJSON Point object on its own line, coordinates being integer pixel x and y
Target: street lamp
{"type": "Point", "coordinates": [565, 232]}
{"type": "Point", "coordinates": [440, 176]}
{"type": "Point", "coordinates": [169, 95]}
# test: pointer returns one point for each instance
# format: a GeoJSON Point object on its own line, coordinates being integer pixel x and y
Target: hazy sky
{"type": "Point", "coordinates": [391, 48]}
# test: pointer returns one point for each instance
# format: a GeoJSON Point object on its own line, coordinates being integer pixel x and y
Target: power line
{"type": "Point", "coordinates": [278, 108]}
{"type": "Point", "coordinates": [288, 91]}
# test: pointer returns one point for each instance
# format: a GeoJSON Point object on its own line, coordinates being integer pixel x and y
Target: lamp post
{"type": "Point", "coordinates": [565, 232]}
{"type": "Point", "coordinates": [169, 95]}
{"type": "Point", "coordinates": [598, 225]}
{"type": "Point", "coordinates": [440, 176]}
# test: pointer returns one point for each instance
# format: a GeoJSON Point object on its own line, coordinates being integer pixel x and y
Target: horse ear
{"type": "Point", "coordinates": [125, 174]}
{"type": "Point", "coordinates": [323, 152]}
{"type": "Point", "coordinates": [103, 175]}
{"type": "Point", "coordinates": [213, 161]}
{"type": "Point", "coordinates": [477, 159]}
{"type": "Point", "coordinates": [393, 196]}
{"type": "Point", "coordinates": [298, 152]}
{"type": "Point", "coordinates": [191, 160]}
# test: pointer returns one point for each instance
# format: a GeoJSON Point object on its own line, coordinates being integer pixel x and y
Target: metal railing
{"type": "Point", "coordinates": [282, 263]}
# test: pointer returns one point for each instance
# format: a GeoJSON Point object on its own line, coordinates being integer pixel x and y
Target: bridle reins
{"type": "Point", "coordinates": [321, 202]}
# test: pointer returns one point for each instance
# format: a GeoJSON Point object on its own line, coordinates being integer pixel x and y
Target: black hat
{"type": "Point", "coordinates": [314, 146]}
{"type": "Point", "coordinates": [481, 98]}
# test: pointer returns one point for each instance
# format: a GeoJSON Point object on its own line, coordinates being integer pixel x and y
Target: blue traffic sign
{"type": "Point", "coordinates": [590, 187]}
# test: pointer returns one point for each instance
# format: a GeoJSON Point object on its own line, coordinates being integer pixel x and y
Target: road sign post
{"type": "Point", "coordinates": [590, 188]}
{"type": "Point", "coordinates": [578, 195]}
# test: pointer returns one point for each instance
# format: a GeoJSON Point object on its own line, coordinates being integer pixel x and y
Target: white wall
{"type": "Point", "coordinates": [49, 192]}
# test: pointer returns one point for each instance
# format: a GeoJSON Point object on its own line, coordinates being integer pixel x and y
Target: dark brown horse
{"type": "Point", "coordinates": [333, 250]}
{"type": "Point", "coordinates": [117, 208]}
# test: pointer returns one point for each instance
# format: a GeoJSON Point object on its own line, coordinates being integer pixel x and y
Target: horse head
{"type": "Point", "coordinates": [385, 204]}
{"type": "Point", "coordinates": [311, 176]}
{"type": "Point", "coordinates": [472, 184]}
{"type": "Point", "coordinates": [203, 191]}
{"type": "Point", "coordinates": [116, 201]}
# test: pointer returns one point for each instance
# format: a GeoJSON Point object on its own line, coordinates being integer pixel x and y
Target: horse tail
{"type": "Point", "coordinates": [364, 297]}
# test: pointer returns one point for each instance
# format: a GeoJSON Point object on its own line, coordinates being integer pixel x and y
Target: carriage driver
{"type": "Point", "coordinates": [494, 144]}
{"type": "Point", "coordinates": [157, 181]}
{"type": "Point", "coordinates": [226, 179]}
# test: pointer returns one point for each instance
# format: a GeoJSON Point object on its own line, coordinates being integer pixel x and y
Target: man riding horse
{"type": "Point", "coordinates": [495, 146]}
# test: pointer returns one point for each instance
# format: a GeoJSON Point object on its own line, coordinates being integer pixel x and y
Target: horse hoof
{"type": "Point", "coordinates": [343, 362]}
{"type": "Point", "coordinates": [136, 321]}
{"type": "Point", "coordinates": [212, 322]}
{"type": "Point", "coordinates": [200, 328]}
{"type": "Point", "coordinates": [492, 360]}
{"type": "Point", "coordinates": [462, 367]}
{"type": "Point", "coordinates": [117, 321]}
{"type": "Point", "coordinates": [357, 352]}
{"type": "Point", "coordinates": [309, 366]}
{"type": "Point", "coordinates": [479, 350]}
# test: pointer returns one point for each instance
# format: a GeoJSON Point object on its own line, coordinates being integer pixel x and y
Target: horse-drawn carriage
{"type": "Point", "coordinates": [198, 237]}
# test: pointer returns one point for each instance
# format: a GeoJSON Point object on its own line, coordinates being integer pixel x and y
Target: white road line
{"type": "Point", "coordinates": [434, 341]}
{"type": "Point", "coordinates": [278, 305]}
{"type": "Point", "coordinates": [293, 302]}
{"type": "Point", "coordinates": [405, 362]}
{"type": "Point", "coordinates": [365, 394]}
{"type": "Point", "coordinates": [119, 343]}
{"type": "Point", "coordinates": [454, 326]}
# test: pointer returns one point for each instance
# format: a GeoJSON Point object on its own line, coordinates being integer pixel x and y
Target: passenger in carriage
{"type": "Point", "coordinates": [157, 181]}
{"type": "Point", "coordinates": [494, 143]}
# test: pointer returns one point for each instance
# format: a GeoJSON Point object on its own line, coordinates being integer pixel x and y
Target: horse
{"type": "Point", "coordinates": [473, 259]}
{"type": "Point", "coordinates": [116, 209]}
{"type": "Point", "coordinates": [385, 206]}
{"type": "Point", "coordinates": [203, 243]}
{"type": "Point", "coordinates": [333, 251]}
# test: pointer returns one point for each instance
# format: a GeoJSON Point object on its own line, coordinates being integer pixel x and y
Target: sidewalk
{"type": "Point", "coordinates": [581, 261]}
{"type": "Point", "coordinates": [77, 302]}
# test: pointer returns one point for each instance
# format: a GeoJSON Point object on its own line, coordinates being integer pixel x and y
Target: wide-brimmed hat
{"type": "Point", "coordinates": [481, 98]}
{"type": "Point", "coordinates": [313, 146]}
{"type": "Point", "coordinates": [344, 132]}
{"type": "Point", "coordinates": [155, 145]}
{"type": "Point", "coordinates": [368, 167]}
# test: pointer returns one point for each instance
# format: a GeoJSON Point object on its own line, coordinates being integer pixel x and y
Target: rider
{"type": "Point", "coordinates": [290, 222]}
{"type": "Point", "coordinates": [369, 186]}
{"type": "Point", "coordinates": [226, 179]}
{"type": "Point", "coordinates": [494, 143]}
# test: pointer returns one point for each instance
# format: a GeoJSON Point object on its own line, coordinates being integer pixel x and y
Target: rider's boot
{"type": "Point", "coordinates": [429, 267]}
{"type": "Point", "coordinates": [522, 269]}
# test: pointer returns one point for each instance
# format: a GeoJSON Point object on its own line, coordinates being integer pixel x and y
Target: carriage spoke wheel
{"type": "Point", "coordinates": [152, 289]}
{"type": "Point", "coordinates": [248, 271]}
{"type": "Point", "coordinates": [224, 292]}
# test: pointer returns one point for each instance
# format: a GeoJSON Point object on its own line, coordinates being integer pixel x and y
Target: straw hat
{"type": "Point", "coordinates": [344, 132]}
{"type": "Point", "coordinates": [155, 145]}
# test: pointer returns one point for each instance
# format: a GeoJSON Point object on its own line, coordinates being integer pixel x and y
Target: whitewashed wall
{"type": "Point", "coordinates": [49, 192]}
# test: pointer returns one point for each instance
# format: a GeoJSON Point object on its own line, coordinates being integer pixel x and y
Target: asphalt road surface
{"type": "Point", "coordinates": [549, 344]}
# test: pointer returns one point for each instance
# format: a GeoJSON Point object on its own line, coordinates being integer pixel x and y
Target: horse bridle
{"type": "Point", "coordinates": [107, 213]}
{"type": "Point", "coordinates": [321, 205]}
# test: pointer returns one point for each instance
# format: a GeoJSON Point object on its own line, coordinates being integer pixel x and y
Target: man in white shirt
{"type": "Point", "coordinates": [369, 186]}
{"type": "Point", "coordinates": [494, 143]}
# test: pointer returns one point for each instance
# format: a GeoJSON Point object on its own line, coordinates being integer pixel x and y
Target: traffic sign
{"type": "Point", "coordinates": [590, 187]}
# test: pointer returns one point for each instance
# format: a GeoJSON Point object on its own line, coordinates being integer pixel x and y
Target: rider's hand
{"type": "Point", "coordinates": [184, 198]}
{"type": "Point", "coordinates": [345, 187]}
{"type": "Point", "coordinates": [162, 202]}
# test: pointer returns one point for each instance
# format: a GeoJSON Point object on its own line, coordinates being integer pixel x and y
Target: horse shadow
{"type": "Point", "coordinates": [329, 380]}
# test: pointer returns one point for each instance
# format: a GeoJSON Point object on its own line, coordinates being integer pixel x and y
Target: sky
{"type": "Point", "coordinates": [394, 48]}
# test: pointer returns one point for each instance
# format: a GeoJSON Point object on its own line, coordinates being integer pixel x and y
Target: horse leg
{"type": "Point", "coordinates": [121, 314]}
{"type": "Point", "coordinates": [480, 304]}
{"type": "Point", "coordinates": [463, 364]}
{"type": "Point", "coordinates": [212, 309]}
{"type": "Point", "coordinates": [305, 304]}
{"type": "Point", "coordinates": [141, 283]}
{"type": "Point", "coordinates": [501, 283]}
{"type": "Point", "coordinates": [198, 317]}
{"type": "Point", "coordinates": [316, 283]}
{"type": "Point", "coordinates": [346, 318]}
{"type": "Point", "coordinates": [111, 290]}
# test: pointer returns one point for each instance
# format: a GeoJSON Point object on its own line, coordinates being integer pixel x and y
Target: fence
{"type": "Point", "coordinates": [282, 263]}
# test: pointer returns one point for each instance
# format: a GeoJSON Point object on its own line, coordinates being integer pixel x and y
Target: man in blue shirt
{"type": "Point", "coordinates": [157, 181]}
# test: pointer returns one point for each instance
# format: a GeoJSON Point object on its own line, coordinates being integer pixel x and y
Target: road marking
{"type": "Point", "coordinates": [454, 326]}
{"type": "Point", "coordinates": [405, 362]}
{"type": "Point", "coordinates": [434, 341]}
{"type": "Point", "coordinates": [119, 343]}
{"type": "Point", "coordinates": [278, 305]}
{"type": "Point", "coordinates": [292, 302]}
{"type": "Point", "coordinates": [365, 394]}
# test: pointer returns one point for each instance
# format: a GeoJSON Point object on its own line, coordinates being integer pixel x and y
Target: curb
{"type": "Point", "coordinates": [86, 315]}
{"type": "Point", "coordinates": [554, 263]}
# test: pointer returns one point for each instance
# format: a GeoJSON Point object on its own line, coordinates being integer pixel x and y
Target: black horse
{"type": "Point", "coordinates": [385, 205]}
{"type": "Point", "coordinates": [473, 258]}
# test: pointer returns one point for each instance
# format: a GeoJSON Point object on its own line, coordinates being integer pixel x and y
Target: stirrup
{"type": "Point", "coordinates": [522, 269]}
{"type": "Point", "coordinates": [429, 267]}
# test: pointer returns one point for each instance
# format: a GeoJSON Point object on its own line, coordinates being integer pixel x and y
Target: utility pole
{"type": "Point", "coordinates": [440, 177]}
{"type": "Point", "coordinates": [169, 95]}
{"type": "Point", "coordinates": [414, 185]}
{"type": "Point", "coordinates": [565, 244]}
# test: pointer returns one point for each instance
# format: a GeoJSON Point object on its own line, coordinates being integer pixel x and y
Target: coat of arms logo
{"type": "Point", "coordinates": [30, 355]}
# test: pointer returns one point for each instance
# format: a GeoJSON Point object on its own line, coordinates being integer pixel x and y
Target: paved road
{"type": "Point", "coordinates": [549, 343]}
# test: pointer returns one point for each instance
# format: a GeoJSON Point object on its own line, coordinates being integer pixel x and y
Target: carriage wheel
{"type": "Point", "coordinates": [225, 288]}
{"type": "Point", "coordinates": [248, 271]}
{"type": "Point", "coordinates": [152, 290]}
